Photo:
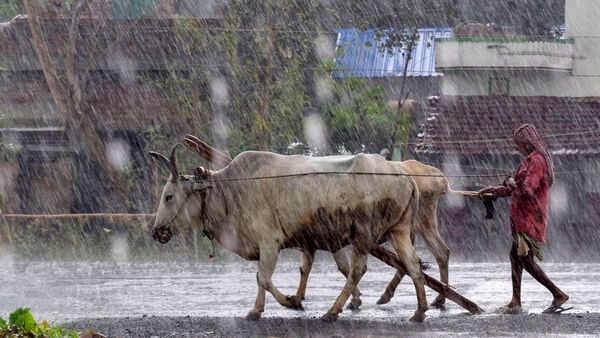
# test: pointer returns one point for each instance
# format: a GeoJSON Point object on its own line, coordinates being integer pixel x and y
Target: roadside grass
{"type": "Point", "coordinates": [22, 324]}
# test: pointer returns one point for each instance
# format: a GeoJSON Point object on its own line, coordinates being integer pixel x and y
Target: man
{"type": "Point", "coordinates": [528, 215]}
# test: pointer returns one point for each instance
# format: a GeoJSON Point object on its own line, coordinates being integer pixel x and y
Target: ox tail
{"type": "Point", "coordinates": [463, 192]}
{"type": "Point", "coordinates": [414, 204]}
{"type": "Point", "coordinates": [449, 190]}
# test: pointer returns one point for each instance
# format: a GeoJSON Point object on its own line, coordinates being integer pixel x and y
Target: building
{"type": "Point", "coordinates": [362, 54]}
{"type": "Point", "coordinates": [521, 66]}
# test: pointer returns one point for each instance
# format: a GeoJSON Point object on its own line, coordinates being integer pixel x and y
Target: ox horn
{"type": "Point", "coordinates": [170, 162]}
{"type": "Point", "coordinates": [173, 162]}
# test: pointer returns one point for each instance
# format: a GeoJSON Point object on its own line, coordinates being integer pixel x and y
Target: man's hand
{"type": "Point", "coordinates": [509, 182]}
{"type": "Point", "coordinates": [487, 193]}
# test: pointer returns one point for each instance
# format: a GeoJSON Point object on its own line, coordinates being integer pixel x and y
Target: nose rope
{"type": "Point", "coordinates": [204, 218]}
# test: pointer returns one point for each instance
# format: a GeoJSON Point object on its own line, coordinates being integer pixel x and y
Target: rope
{"type": "Point", "coordinates": [177, 213]}
{"type": "Point", "coordinates": [343, 173]}
{"type": "Point", "coordinates": [123, 215]}
{"type": "Point", "coordinates": [59, 216]}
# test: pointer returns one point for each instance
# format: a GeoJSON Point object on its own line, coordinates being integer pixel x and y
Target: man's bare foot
{"type": "Point", "coordinates": [560, 300]}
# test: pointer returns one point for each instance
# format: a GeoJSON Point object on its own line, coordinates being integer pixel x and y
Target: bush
{"type": "Point", "coordinates": [21, 324]}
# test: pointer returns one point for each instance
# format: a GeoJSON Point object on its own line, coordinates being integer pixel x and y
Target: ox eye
{"type": "Point", "coordinates": [168, 198]}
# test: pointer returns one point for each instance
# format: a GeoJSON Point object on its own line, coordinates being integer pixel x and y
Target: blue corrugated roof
{"type": "Point", "coordinates": [360, 55]}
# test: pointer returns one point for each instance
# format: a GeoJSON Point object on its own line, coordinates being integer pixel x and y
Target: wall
{"type": "Point", "coordinates": [581, 21]}
{"type": "Point", "coordinates": [521, 83]}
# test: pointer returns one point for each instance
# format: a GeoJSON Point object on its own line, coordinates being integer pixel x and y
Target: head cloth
{"type": "Point", "coordinates": [528, 135]}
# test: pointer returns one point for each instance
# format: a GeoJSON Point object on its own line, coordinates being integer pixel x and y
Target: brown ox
{"type": "Point", "coordinates": [431, 183]}
{"type": "Point", "coordinates": [263, 202]}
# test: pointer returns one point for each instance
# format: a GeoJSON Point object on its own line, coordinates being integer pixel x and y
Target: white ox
{"type": "Point", "coordinates": [431, 183]}
{"type": "Point", "coordinates": [263, 202]}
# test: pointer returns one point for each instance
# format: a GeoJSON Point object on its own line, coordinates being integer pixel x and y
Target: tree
{"type": "Point", "coordinates": [266, 60]}
{"type": "Point", "coordinates": [10, 8]}
{"type": "Point", "coordinates": [269, 64]}
{"type": "Point", "coordinates": [65, 83]}
{"type": "Point", "coordinates": [359, 119]}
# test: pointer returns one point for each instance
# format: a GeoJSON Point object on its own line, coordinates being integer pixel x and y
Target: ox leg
{"type": "Point", "coordinates": [390, 289]}
{"type": "Point", "coordinates": [266, 266]}
{"type": "Point", "coordinates": [343, 264]}
{"type": "Point", "coordinates": [259, 304]}
{"type": "Point", "coordinates": [358, 268]}
{"type": "Point", "coordinates": [306, 263]}
{"type": "Point", "coordinates": [400, 239]}
{"type": "Point", "coordinates": [441, 252]}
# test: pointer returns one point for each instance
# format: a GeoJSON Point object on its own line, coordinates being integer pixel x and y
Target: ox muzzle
{"type": "Point", "coordinates": [162, 235]}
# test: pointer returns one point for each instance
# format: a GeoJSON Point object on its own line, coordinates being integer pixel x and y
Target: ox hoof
{"type": "Point", "coordinates": [354, 304]}
{"type": "Point", "coordinates": [295, 303]}
{"type": "Point", "coordinates": [384, 299]}
{"type": "Point", "coordinates": [253, 315]}
{"type": "Point", "coordinates": [330, 317]}
{"type": "Point", "coordinates": [439, 302]}
{"type": "Point", "coordinates": [418, 317]}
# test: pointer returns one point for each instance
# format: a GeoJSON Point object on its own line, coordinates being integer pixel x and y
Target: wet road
{"type": "Point", "coordinates": [72, 290]}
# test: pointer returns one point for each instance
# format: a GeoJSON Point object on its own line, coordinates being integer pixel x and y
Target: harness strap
{"type": "Point", "coordinates": [204, 218]}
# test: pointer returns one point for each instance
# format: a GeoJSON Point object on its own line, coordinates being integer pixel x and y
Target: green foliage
{"type": "Point", "coordinates": [153, 139]}
{"type": "Point", "coordinates": [266, 55]}
{"type": "Point", "coordinates": [22, 324]}
{"type": "Point", "coordinates": [140, 9]}
{"type": "Point", "coordinates": [10, 8]}
{"type": "Point", "coordinates": [360, 119]}
{"type": "Point", "coordinates": [22, 318]}
{"type": "Point", "coordinates": [182, 90]}
{"type": "Point", "coordinates": [266, 64]}
{"type": "Point", "coordinates": [392, 39]}
{"type": "Point", "coordinates": [7, 151]}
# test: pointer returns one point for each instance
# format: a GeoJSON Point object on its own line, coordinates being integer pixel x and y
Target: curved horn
{"type": "Point", "coordinates": [161, 158]}
{"type": "Point", "coordinates": [173, 162]}
{"type": "Point", "coordinates": [170, 163]}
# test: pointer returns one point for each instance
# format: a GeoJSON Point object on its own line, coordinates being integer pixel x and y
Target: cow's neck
{"type": "Point", "coordinates": [223, 224]}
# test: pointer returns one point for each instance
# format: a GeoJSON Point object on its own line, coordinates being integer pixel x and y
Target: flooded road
{"type": "Point", "coordinates": [227, 288]}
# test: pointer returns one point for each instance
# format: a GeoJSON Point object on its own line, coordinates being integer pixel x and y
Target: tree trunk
{"type": "Point", "coordinates": [96, 180]}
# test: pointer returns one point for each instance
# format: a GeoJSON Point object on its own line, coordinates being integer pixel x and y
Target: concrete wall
{"type": "Point", "coordinates": [521, 83]}
{"type": "Point", "coordinates": [502, 53]}
{"type": "Point", "coordinates": [581, 23]}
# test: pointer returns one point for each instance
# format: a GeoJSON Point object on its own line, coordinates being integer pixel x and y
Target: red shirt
{"type": "Point", "coordinates": [529, 199]}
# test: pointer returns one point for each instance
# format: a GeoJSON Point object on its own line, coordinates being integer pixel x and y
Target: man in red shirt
{"type": "Point", "coordinates": [528, 215]}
